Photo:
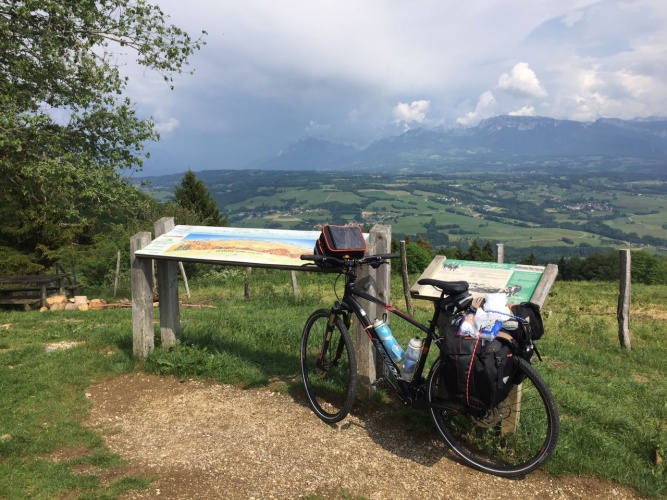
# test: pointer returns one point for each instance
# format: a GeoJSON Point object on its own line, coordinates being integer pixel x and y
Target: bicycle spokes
{"type": "Point", "coordinates": [511, 439]}
{"type": "Point", "coordinates": [328, 367]}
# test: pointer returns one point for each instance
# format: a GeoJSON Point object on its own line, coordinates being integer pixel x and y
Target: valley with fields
{"type": "Point", "coordinates": [542, 213]}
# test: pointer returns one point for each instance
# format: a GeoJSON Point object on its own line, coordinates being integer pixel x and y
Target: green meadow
{"type": "Point", "coordinates": [613, 402]}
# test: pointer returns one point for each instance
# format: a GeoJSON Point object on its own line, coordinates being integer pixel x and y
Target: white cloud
{"type": "Point", "coordinates": [270, 67]}
{"type": "Point", "coordinates": [573, 17]}
{"type": "Point", "coordinates": [524, 111]}
{"type": "Point", "coordinates": [412, 112]}
{"type": "Point", "coordinates": [521, 80]}
{"type": "Point", "coordinates": [167, 125]}
{"type": "Point", "coordinates": [315, 128]}
{"type": "Point", "coordinates": [486, 107]}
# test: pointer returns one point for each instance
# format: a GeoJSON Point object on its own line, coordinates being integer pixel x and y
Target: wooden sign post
{"type": "Point", "coordinates": [268, 248]}
{"type": "Point", "coordinates": [521, 284]}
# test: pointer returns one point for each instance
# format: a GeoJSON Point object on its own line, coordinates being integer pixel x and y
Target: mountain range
{"type": "Point", "coordinates": [502, 141]}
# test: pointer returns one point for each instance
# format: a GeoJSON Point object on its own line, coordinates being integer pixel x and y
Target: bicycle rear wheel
{"type": "Point", "coordinates": [328, 367]}
{"type": "Point", "coordinates": [511, 440]}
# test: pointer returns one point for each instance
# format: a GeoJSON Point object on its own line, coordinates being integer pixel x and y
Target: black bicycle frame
{"type": "Point", "coordinates": [407, 389]}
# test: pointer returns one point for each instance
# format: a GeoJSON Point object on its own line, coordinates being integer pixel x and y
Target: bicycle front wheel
{"type": "Point", "coordinates": [511, 440]}
{"type": "Point", "coordinates": [328, 367]}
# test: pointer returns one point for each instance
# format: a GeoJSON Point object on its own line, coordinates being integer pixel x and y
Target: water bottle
{"type": "Point", "coordinates": [412, 356]}
{"type": "Point", "coordinates": [394, 349]}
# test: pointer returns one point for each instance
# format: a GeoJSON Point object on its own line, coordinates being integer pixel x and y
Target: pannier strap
{"type": "Point", "coordinates": [472, 360]}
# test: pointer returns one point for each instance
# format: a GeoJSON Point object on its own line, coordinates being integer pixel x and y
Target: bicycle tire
{"type": "Point", "coordinates": [489, 442]}
{"type": "Point", "coordinates": [330, 377]}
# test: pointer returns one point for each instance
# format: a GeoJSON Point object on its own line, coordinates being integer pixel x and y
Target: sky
{"type": "Point", "coordinates": [353, 71]}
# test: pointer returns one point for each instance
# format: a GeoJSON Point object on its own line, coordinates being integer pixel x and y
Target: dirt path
{"type": "Point", "coordinates": [204, 440]}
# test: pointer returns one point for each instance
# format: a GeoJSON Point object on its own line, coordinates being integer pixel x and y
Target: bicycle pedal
{"type": "Point", "coordinates": [379, 381]}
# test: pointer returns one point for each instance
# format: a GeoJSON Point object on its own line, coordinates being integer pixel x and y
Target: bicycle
{"type": "Point", "coordinates": [482, 439]}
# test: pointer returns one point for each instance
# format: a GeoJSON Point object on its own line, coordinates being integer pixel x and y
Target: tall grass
{"type": "Point", "coordinates": [612, 401]}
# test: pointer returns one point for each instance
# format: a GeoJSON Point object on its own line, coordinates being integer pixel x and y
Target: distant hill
{"type": "Point", "coordinates": [501, 141]}
{"type": "Point", "coordinates": [311, 153]}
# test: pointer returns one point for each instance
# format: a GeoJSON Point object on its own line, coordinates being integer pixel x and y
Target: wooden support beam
{"type": "Point", "coordinates": [380, 242]}
{"type": "Point", "coordinates": [295, 285]}
{"type": "Point", "coordinates": [540, 294]}
{"type": "Point", "coordinates": [623, 310]}
{"type": "Point", "coordinates": [143, 341]}
{"type": "Point", "coordinates": [544, 285]}
{"type": "Point", "coordinates": [406, 283]}
{"type": "Point", "coordinates": [500, 257]}
{"type": "Point", "coordinates": [363, 349]}
{"type": "Point", "coordinates": [167, 289]}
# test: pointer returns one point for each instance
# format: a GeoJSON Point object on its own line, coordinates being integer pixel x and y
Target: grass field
{"type": "Point", "coordinates": [613, 402]}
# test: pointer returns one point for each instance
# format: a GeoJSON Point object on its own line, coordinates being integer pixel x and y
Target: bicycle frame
{"type": "Point", "coordinates": [406, 391]}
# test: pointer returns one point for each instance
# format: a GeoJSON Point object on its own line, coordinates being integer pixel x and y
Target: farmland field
{"type": "Point", "coordinates": [573, 214]}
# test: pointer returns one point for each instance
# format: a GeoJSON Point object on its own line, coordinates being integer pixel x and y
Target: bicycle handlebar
{"type": "Point", "coordinates": [373, 260]}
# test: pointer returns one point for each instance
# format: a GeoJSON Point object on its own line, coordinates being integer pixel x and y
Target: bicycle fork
{"type": "Point", "coordinates": [331, 325]}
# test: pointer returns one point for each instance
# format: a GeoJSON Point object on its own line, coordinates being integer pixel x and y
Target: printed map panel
{"type": "Point", "coordinates": [235, 246]}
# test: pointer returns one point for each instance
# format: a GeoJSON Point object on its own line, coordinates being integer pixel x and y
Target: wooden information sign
{"type": "Point", "coordinates": [521, 283]}
{"type": "Point", "coordinates": [272, 248]}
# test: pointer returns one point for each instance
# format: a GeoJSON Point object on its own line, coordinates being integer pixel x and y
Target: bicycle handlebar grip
{"type": "Point", "coordinates": [311, 257]}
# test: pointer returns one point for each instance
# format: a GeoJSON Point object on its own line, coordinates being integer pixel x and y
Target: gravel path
{"type": "Point", "coordinates": [205, 440]}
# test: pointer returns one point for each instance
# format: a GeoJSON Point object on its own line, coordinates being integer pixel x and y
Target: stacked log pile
{"type": "Point", "coordinates": [79, 303]}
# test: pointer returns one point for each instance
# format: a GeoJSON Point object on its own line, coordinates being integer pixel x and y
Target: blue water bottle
{"type": "Point", "coordinates": [394, 349]}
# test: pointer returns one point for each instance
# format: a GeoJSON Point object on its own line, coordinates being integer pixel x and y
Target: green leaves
{"type": "Point", "coordinates": [67, 135]}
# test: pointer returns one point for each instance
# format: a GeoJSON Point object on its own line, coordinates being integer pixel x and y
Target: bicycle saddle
{"type": "Point", "coordinates": [449, 287]}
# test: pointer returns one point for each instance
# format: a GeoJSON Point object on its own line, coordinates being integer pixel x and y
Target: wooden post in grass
{"type": "Point", "coordinates": [366, 370]}
{"type": "Point", "coordinates": [115, 278]}
{"type": "Point", "coordinates": [510, 423]}
{"type": "Point", "coordinates": [185, 279]}
{"type": "Point", "coordinates": [380, 242]}
{"type": "Point", "coordinates": [295, 285]}
{"type": "Point", "coordinates": [381, 236]}
{"type": "Point", "coordinates": [623, 310]}
{"type": "Point", "coordinates": [406, 284]}
{"type": "Point", "coordinates": [246, 289]}
{"type": "Point", "coordinates": [167, 288]}
{"type": "Point", "coordinates": [142, 297]}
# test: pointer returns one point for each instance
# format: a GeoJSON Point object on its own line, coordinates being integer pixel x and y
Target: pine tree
{"type": "Point", "coordinates": [194, 197]}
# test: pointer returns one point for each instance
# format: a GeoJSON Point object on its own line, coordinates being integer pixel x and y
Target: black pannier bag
{"type": "Point", "coordinates": [341, 241]}
{"type": "Point", "coordinates": [534, 328]}
{"type": "Point", "coordinates": [480, 373]}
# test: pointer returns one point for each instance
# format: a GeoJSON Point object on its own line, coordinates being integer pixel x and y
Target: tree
{"type": "Point", "coordinates": [68, 137]}
{"type": "Point", "coordinates": [479, 253]}
{"type": "Point", "coordinates": [531, 260]}
{"type": "Point", "coordinates": [418, 258]}
{"type": "Point", "coordinates": [193, 196]}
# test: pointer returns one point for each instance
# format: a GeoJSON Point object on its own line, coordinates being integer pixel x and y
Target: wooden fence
{"type": "Point", "coordinates": [143, 288]}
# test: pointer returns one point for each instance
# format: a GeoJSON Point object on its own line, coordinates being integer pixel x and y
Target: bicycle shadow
{"type": "Point", "coordinates": [404, 432]}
